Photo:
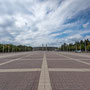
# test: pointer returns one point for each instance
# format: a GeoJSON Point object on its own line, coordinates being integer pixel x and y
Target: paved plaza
{"type": "Point", "coordinates": [45, 70]}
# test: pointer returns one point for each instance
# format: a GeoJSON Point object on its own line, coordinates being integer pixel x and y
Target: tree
{"type": "Point", "coordinates": [14, 48]}
{"type": "Point", "coordinates": [80, 45]}
{"type": "Point", "coordinates": [88, 48]}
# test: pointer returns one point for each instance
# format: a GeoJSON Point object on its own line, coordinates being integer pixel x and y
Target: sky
{"type": "Point", "coordinates": [37, 22]}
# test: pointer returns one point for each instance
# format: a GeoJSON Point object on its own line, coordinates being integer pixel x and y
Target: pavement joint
{"type": "Point", "coordinates": [6, 62]}
{"type": "Point", "coordinates": [76, 54]}
{"type": "Point", "coordinates": [44, 82]}
{"type": "Point", "coordinates": [20, 70]}
{"type": "Point", "coordinates": [69, 69]}
{"type": "Point", "coordinates": [76, 60]}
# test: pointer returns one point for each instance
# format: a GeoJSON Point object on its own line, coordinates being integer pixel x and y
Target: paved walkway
{"type": "Point", "coordinates": [45, 71]}
{"type": "Point", "coordinates": [44, 82]}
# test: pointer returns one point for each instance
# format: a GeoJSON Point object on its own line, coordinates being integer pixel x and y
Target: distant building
{"type": "Point", "coordinates": [44, 48]}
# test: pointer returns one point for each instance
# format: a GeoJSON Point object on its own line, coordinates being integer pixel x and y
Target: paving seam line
{"type": "Point", "coordinates": [20, 70]}
{"type": "Point", "coordinates": [44, 81]}
{"type": "Point", "coordinates": [77, 60]}
{"type": "Point", "coordinates": [69, 69]}
{"type": "Point", "coordinates": [6, 62]}
{"type": "Point", "coordinates": [11, 55]}
{"type": "Point", "coordinates": [75, 54]}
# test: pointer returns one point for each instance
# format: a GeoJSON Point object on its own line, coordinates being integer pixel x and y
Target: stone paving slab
{"type": "Point", "coordinates": [83, 59]}
{"type": "Point", "coordinates": [78, 57]}
{"type": "Point", "coordinates": [52, 55]}
{"type": "Point", "coordinates": [66, 64]}
{"type": "Point", "coordinates": [57, 59]}
{"type": "Point", "coordinates": [22, 64]}
{"type": "Point", "coordinates": [4, 60]}
{"type": "Point", "coordinates": [20, 70]}
{"type": "Point", "coordinates": [86, 61]}
{"type": "Point", "coordinates": [5, 55]}
{"type": "Point", "coordinates": [69, 69]}
{"type": "Point", "coordinates": [31, 59]}
{"type": "Point", "coordinates": [70, 80]}
{"type": "Point", "coordinates": [7, 60]}
{"type": "Point", "coordinates": [76, 54]}
{"type": "Point", "coordinates": [19, 81]}
{"type": "Point", "coordinates": [37, 56]}
{"type": "Point", "coordinates": [64, 73]}
{"type": "Point", "coordinates": [44, 81]}
{"type": "Point", "coordinates": [12, 57]}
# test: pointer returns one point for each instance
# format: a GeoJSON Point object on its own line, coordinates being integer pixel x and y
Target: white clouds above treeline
{"type": "Point", "coordinates": [33, 22]}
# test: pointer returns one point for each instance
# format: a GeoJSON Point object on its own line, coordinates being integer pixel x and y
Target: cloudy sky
{"type": "Point", "coordinates": [37, 22]}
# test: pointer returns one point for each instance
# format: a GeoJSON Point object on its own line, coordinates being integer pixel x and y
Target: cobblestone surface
{"type": "Point", "coordinates": [78, 57]}
{"type": "Point", "coordinates": [19, 81]}
{"type": "Point", "coordinates": [66, 64]}
{"type": "Point", "coordinates": [37, 56]}
{"type": "Point", "coordinates": [4, 60]}
{"type": "Point", "coordinates": [86, 61]}
{"type": "Point", "coordinates": [23, 64]}
{"type": "Point", "coordinates": [12, 57]}
{"type": "Point", "coordinates": [67, 71]}
{"type": "Point", "coordinates": [70, 80]}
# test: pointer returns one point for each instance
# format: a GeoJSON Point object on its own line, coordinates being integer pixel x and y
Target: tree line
{"type": "Point", "coordinates": [14, 48]}
{"type": "Point", "coordinates": [79, 45]}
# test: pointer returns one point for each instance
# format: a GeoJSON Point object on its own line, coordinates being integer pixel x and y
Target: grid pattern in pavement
{"type": "Point", "coordinates": [66, 64]}
{"type": "Point", "coordinates": [70, 80]}
{"type": "Point", "coordinates": [20, 72]}
{"type": "Point", "coordinates": [19, 80]}
{"type": "Point", "coordinates": [86, 60]}
{"type": "Point", "coordinates": [23, 64]}
{"type": "Point", "coordinates": [45, 71]}
{"type": "Point", "coordinates": [68, 71]}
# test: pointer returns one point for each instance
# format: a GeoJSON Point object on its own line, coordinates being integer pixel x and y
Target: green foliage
{"type": "Point", "coordinates": [14, 48]}
{"type": "Point", "coordinates": [76, 46]}
{"type": "Point", "coordinates": [88, 47]}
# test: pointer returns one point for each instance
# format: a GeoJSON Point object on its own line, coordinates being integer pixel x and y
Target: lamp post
{"type": "Point", "coordinates": [8, 48]}
{"type": "Point", "coordinates": [80, 47]}
{"type": "Point", "coordinates": [63, 48]}
{"type": "Point", "coordinates": [42, 47]}
{"type": "Point", "coordinates": [85, 46]}
{"type": "Point", "coordinates": [76, 46]}
{"type": "Point", "coordinates": [46, 47]}
{"type": "Point", "coordinates": [3, 48]}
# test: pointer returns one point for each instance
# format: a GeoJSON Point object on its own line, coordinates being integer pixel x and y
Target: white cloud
{"type": "Point", "coordinates": [32, 21]}
{"type": "Point", "coordinates": [86, 25]}
{"type": "Point", "coordinates": [87, 37]}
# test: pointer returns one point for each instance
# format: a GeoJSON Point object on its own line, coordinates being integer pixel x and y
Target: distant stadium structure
{"type": "Point", "coordinates": [45, 48]}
